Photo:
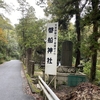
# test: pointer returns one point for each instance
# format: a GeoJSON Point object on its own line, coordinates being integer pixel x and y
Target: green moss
{"type": "Point", "coordinates": [33, 87]}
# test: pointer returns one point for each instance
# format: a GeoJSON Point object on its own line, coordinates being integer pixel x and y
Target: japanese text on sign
{"type": "Point", "coordinates": [51, 49]}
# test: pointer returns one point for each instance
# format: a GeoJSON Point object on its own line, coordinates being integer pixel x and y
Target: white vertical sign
{"type": "Point", "coordinates": [51, 49]}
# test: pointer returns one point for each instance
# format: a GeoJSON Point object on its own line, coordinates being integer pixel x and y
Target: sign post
{"type": "Point", "coordinates": [51, 49]}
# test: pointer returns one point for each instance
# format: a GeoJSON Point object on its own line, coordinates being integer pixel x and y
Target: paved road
{"type": "Point", "coordinates": [11, 82]}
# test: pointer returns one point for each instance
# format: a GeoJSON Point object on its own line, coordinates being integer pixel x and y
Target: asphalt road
{"type": "Point", "coordinates": [11, 82]}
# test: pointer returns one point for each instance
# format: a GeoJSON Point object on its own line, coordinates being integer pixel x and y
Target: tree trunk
{"type": "Point", "coordinates": [78, 33]}
{"type": "Point", "coordinates": [93, 66]}
{"type": "Point", "coordinates": [95, 40]}
{"type": "Point", "coordinates": [28, 58]}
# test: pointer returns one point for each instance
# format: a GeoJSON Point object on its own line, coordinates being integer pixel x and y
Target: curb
{"type": "Point", "coordinates": [33, 88]}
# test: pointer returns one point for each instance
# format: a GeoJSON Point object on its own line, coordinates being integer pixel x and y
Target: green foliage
{"type": "Point", "coordinates": [6, 34]}
{"type": "Point", "coordinates": [85, 42]}
{"type": "Point", "coordinates": [1, 61]}
{"type": "Point", "coordinates": [87, 67]}
{"type": "Point", "coordinates": [66, 35]}
{"type": "Point", "coordinates": [98, 75]}
{"type": "Point", "coordinates": [5, 6]}
{"type": "Point", "coordinates": [1, 56]}
{"type": "Point", "coordinates": [98, 60]}
{"type": "Point", "coordinates": [8, 40]}
{"type": "Point", "coordinates": [33, 86]}
{"type": "Point", "coordinates": [8, 58]}
{"type": "Point", "coordinates": [31, 31]}
{"type": "Point", "coordinates": [61, 11]}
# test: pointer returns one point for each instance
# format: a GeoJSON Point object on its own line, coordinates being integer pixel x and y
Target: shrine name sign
{"type": "Point", "coordinates": [51, 49]}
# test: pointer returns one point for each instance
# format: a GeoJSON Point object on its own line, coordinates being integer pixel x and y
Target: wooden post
{"type": "Point", "coordinates": [52, 79]}
{"type": "Point", "coordinates": [55, 84]}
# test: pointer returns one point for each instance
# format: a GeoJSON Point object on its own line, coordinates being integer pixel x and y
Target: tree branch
{"type": "Point", "coordinates": [83, 6]}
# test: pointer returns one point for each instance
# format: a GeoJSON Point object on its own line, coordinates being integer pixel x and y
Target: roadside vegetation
{"type": "Point", "coordinates": [9, 48]}
{"type": "Point", "coordinates": [26, 41]}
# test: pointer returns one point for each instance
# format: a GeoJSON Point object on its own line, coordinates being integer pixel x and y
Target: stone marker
{"type": "Point", "coordinates": [66, 58]}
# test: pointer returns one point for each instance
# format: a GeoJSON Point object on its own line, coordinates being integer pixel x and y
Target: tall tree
{"type": "Point", "coordinates": [5, 6]}
{"type": "Point", "coordinates": [30, 30]}
{"type": "Point", "coordinates": [78, 30]}
{"type": "Point", "coordinates": [92, 18]}
{"type": "Point", "coordinates": [95, 36]}
{"type": "Point", "coordinates": [63, 11]}
{"type": "Point", "coordinates": [88, 10]}
{"type": "Point", "coordinates": [24, 5]}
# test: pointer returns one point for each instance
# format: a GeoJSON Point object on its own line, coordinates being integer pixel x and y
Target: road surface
{"type": "Point", "coordinates": [12, 84]}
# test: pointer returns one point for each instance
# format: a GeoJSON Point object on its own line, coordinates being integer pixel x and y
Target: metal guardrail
{"type": "Point", "coordinates": [46, 89]}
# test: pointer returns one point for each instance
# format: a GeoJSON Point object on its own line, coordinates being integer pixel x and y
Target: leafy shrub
{"type": "Point", "coordinates": [1, 56]}
{"type": "Point", "coordinates": [87, 72]}
{"type": "Point", "coordinates": [8, 58]}
{"type": "Point", "coordinates": [98, 75]}
{"type": "Point", "coordinates": [87, 67]}
{"type": "Point", "coordinates": [1, 61]}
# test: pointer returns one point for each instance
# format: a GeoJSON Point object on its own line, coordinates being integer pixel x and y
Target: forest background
{"type": "Point", "coordinates": [26, 39]}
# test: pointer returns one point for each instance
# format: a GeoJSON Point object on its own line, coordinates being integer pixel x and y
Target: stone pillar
{"type": "Point", "coordinates": [66, 57]}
